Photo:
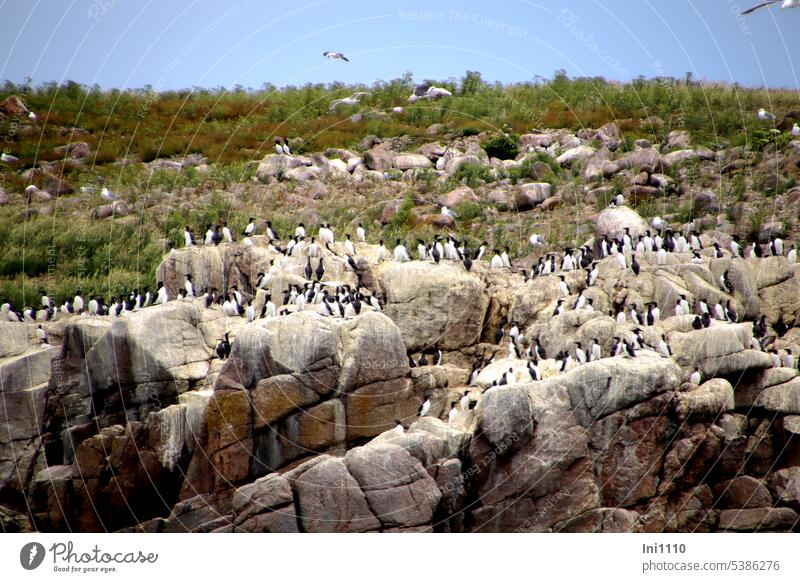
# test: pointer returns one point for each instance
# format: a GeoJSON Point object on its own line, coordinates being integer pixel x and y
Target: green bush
{"type": "Point", "coordinates": [504, 146]}
{"type": "Point", "coordinates": [473, 175]}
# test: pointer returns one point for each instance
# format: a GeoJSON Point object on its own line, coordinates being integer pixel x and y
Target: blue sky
{"type": "Point", "coordinates": [183, 43]}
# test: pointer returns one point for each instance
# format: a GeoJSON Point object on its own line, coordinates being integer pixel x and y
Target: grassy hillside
{"type": "Point", "coordinates": [61, 247]}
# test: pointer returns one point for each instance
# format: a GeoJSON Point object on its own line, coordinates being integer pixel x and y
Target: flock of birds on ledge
{"type": "Point", "coordinates": [343, 301]}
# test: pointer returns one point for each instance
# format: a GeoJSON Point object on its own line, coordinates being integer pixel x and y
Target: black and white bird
{"type": "Point", "coordinates": [161, 294]}
{"type": "Point", "coordinates": [428, 92]}
{"type": "Point", "coordinates": [451, 416]}
{"type": "Point", "coordinates": [695, 377]}
{"type": "Point", "coordinates": [663, 347]}
{"type": "Point", "coordinates": [725, 282]}
{"type": "Point", "coordinates": [41, 334]}
{"type": "Point", "coordinates": [682, 306]}
{"type": "Point", "coordinates": [736, 247]}
{"type": "Point", "coordinates": [463, 403]}
{"type": "Point", "coordinates": [595, 352]}
{"type": "Point", "coordinates": [335, 56]}
{"type": "Point", "coordinates": [361, 234]}
{"type": "Point", "coordinates": [325, 234]}
{"type": "Point", "coordinates": [188, 237]}
{"type": "Point", "coordinates": [425, 407]}
{"type": "Point", "coordinates": [250, 229]}
{"type": "Point", "coordinates": [580, 355]}
{"type": "Point", "coordinates": [401, 253]}
{"type": "Point", "coordinates": [730, 312]}
{"type": "Point", "coordinates": [563, 288]}
{"type": "Point", "coordinates": [226, 232]}
{"type": "Point", "coordinates": [189, 286]}
{"type": "Point", "coordinates": [784, 4]}
{"type": "Point", "coordinates": [398, 427]}
{"type": "Point", "coordinates": [591, 275]}
{"type": "Point", "coordinates": [580, 302]}
{"type": "Point", "coordinates": [349, 247]}
{"type": "Point", "coordinates": [533, 370]}
{"type": "Point", "coordinates": [653, 313]}
{"type": "Point", "coordinates": [776, 246]}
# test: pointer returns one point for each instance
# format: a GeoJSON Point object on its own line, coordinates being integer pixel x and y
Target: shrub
{"type": "Point", "coordinates": [473, 174]}
{"type": "Point", "coordinates": [504, 146]}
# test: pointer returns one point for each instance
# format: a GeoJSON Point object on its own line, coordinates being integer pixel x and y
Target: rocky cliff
{"type": "Point", "coordinates": [134, 423]}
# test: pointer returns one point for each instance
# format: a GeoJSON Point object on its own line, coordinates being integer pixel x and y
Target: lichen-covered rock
{"type": "Point", "coordinates": [434, 305]}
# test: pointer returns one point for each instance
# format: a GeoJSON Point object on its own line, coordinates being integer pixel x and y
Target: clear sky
{"type": "Point", "coordinates": [209, 43]}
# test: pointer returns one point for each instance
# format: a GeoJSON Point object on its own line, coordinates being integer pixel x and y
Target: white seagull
{"type": "Point", "coordinates": [335, 56]}
{"type": "Point", "coordinates": [784, 4]}
{"type": "Point", "coordinates": [764, 115]}
{"type": "Point", "coordinates": [354, 99]}
{"type": "Point", "coordinates": [428, 92]}
{"type": "Point", "coordinates": [537, 239]}
{"type": "Point", "coordinates": [108, 195]}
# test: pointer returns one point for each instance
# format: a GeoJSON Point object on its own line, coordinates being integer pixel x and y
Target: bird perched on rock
{"type": "Point", "coordinates": [695, 377]}
{"type": "Point", "coordinates": [451, 416]}
{"type": "Point", "coordinates": [189, 285]}
{"type": "Point", "coordinates": [188, 237]}
{"type": "Point", "coordinates": [41, 334]}
{"type": "Point", "coordinates": [447, 213]}
{"type": "Point", "coordinates": [223, 349]}
{"type": "Point", "coordinates": [725, 282]}
{"type": "Point", "coordinates": [425, 407]}
{"type": "Point", "coordinates": [401, 253]}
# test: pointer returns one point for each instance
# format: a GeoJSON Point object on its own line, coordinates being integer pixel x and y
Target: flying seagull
{"type": "Point", "coordinates": [354, 99]}
{"type": "Point", "coordinates": [784, 4]}
{"type": "Point", "coordinates": [333, 55]}
{"type": "Point", "coordinates": [428, 92]}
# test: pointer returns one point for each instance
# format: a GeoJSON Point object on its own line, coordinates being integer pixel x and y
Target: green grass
{"type": "Point", "coordinates": [67, 249]}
